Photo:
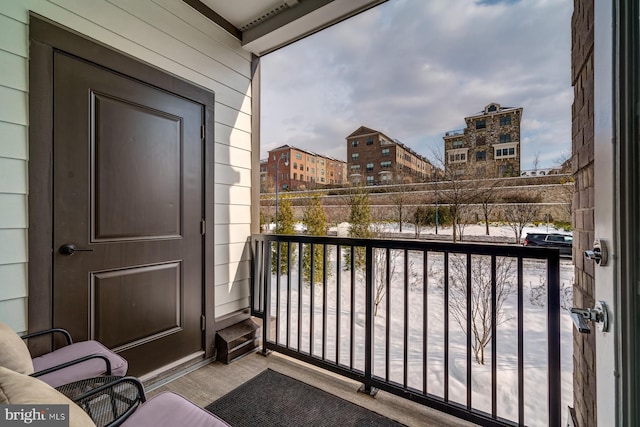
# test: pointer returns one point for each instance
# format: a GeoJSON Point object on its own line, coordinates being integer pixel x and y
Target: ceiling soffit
{"type": "Point", "coordinates": [266, 25]}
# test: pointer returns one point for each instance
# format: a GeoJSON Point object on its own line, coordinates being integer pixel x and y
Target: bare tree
{"type": "Point", "coordinates": [380, 274]}
{"type": "Point", "coordinates": [536, 161]}
{"type": "Point", "coordinates": [487, 197]}
{"type": "Point", "coordinates": [538, 293]}
{"type": "Point", "coordinates": [458, 190]}
{"type": "Point", "coordinates": [520, 212]}
{"type": "Point", "coordinates": [400, 196]}
{"type": "Point", "coordinates": [481, 290]}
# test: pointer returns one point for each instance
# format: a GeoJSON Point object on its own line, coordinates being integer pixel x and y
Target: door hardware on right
{"type": "Point", "coordinates": [69, 249]}
{"type": "Point", "coordinates": [599, 253]}
{"type": "Point", "coordinates": [597, 314]}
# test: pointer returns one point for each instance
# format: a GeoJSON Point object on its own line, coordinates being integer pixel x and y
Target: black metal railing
{"type": "Point", "coordinates": [454, 132]}
{"type": "Point", "coordinates": [394, 315]}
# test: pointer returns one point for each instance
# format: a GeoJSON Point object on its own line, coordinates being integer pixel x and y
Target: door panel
{"type": "Point", "coordinates": [156, 313]}
{"type": "Point", "coordinates": [147, 147]}
{"type": "Point", "coordinates": [128, 186]}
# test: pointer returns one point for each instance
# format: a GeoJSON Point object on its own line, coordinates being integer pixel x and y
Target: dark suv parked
{"type": "Point", "coordinates": [550, 240]}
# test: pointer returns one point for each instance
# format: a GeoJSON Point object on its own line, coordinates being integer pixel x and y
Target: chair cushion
{"type": "Point", "coordinates": [16, 388]}
{"type": "Point", "coordinates": [89, 369]}
{"type": "Point", "coordinates": [14, 353]}
{"type": "Point", "coordinates": [169, 410]}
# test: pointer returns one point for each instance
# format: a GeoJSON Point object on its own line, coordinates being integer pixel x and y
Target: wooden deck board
{"type": "Point", "coordinates": [213, 381]}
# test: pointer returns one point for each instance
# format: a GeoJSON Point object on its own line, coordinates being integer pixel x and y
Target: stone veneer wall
{"type": "Point", "coordinates": [584, 382]}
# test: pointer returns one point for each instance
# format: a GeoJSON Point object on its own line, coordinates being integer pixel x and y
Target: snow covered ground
{"type": "Point", "coordinates": [469, 230]}
{"type": "Point", "coordinates": [535, 335]}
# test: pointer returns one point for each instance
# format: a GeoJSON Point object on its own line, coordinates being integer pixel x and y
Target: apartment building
{"type": "Point", "coordinates": [488, 146]}
{"type": "Point", "coordinates": [374, 158]}
{"type": "Point", "coordinates": [299, 169]}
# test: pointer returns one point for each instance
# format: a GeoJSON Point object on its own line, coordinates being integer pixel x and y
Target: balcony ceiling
{"type": "Point", "coordinates": [266, 25]}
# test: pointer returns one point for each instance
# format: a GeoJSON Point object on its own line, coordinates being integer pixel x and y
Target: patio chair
{"type": "Point", "coordinates": [164, 410]}
{"type": "Point", "coordinates": [73, 362]}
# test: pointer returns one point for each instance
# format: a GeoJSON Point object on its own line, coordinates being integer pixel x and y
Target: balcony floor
{"type": "Point", "coordinates": [212, 381]}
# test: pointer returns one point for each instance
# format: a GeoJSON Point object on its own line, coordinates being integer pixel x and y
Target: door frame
{"type": "Point", "coordinates": [45, 37]}
{"type": "Point", "coordinates": [626, 85]}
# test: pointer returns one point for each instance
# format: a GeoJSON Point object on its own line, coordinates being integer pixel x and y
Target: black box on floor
{"type": "Point", "coordinates": [237, 340]}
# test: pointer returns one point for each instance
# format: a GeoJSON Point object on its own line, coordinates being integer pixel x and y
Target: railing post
{"type": "Point", "coordinates": [368, 333]}
{"type": "Point", "coordinates": [553, 338]}
{"type": "Point", "coordinates": [266, 319]}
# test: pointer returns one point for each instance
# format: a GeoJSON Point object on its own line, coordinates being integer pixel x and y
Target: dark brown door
{"type": "Point", "coordinates": [128, 186]}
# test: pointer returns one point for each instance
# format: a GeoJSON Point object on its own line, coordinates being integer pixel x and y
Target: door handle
{"type": "Point", "coordinates": [69, 249]}
{"type": "Point", "coordinates": [598, 253]}
{"type": "Point", "coordinates": [598, 314]}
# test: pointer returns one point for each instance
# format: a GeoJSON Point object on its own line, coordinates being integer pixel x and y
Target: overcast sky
{"type": "Point", "coordinates": [413, 69]}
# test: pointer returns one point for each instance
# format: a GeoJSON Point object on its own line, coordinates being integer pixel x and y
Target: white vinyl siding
{"type": "Point", "coordinates": [171, 36]}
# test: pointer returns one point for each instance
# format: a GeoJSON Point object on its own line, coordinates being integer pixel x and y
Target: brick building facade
{"type": "Point", "coordinates": [374, 158]}
{"type": "Point", "coordinates": [300, 169]}
{"type": "Point", "coordinates": [584, 345]}
{"type": "Point", "coordinates": [488, 147]}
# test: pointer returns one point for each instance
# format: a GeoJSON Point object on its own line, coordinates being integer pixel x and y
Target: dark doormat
{"type": "Point", "coordinates": [272, 399]}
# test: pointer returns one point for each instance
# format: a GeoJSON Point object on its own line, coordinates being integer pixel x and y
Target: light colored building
{"type": "Point", "coordinates": [489, 146]}
{"type": "Point", "coordinates": [375, 158]}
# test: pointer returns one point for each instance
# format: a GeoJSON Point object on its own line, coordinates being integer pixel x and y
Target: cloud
{"type": "Point", "coordinates": [414, 70]}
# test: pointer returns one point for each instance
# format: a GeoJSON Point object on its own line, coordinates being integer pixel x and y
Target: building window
{"type": "Point", "coordinates": [457, 157]}
{"type": "Point", "coordinates": [458, 144]}
{"type": "Point", "coordinates": [481, 124]}
{"type": "Point", "coordinates": [355, 167]}
{"type": "Point", "coordinates": [295, 165]}
{"type": "Point", "coordinates": [355, 156]}
{"type": "Point", "coordinates": [505, 137]}
{"type": "Point", "coordinates": [285, 186]}
{"type": "Point", "coordinates": [321, 171]}
{"type": "Point", "coordinates": [313, 171]}
{"type": "Point", "coordinates": [370, 141]}
{"type": "Point", "coordinates": [301, 177]}
{"type": "Point", "coordinates": [505, 120]}
{"type": "Point", "coordinates": [321, 179]}
{"type": "Point", "coordinates": [313, 160]}
{"type": "Point", "coordinates": [369, 179]}
{"type": "Point", "coordinates": [295, 175]}
{"type": "Point", "coordinates": [385, 164]}
{"type": "Point", "coordinates": [481, 156]}
{"type": "Point", "coordinates": [481, 140]}
{"type": "Point", "coordinates": [298, 156]}
{"type": "Point", "coordinates": [369, 167]}
{"type": "Point", "coordinates": [385, 151]}
{"type": "Point", "coordinates": [321, 162]}
{"type": "Point", "coordinates": [506, 152]}
{"type": "Point", "coordinates": [354, 143]}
